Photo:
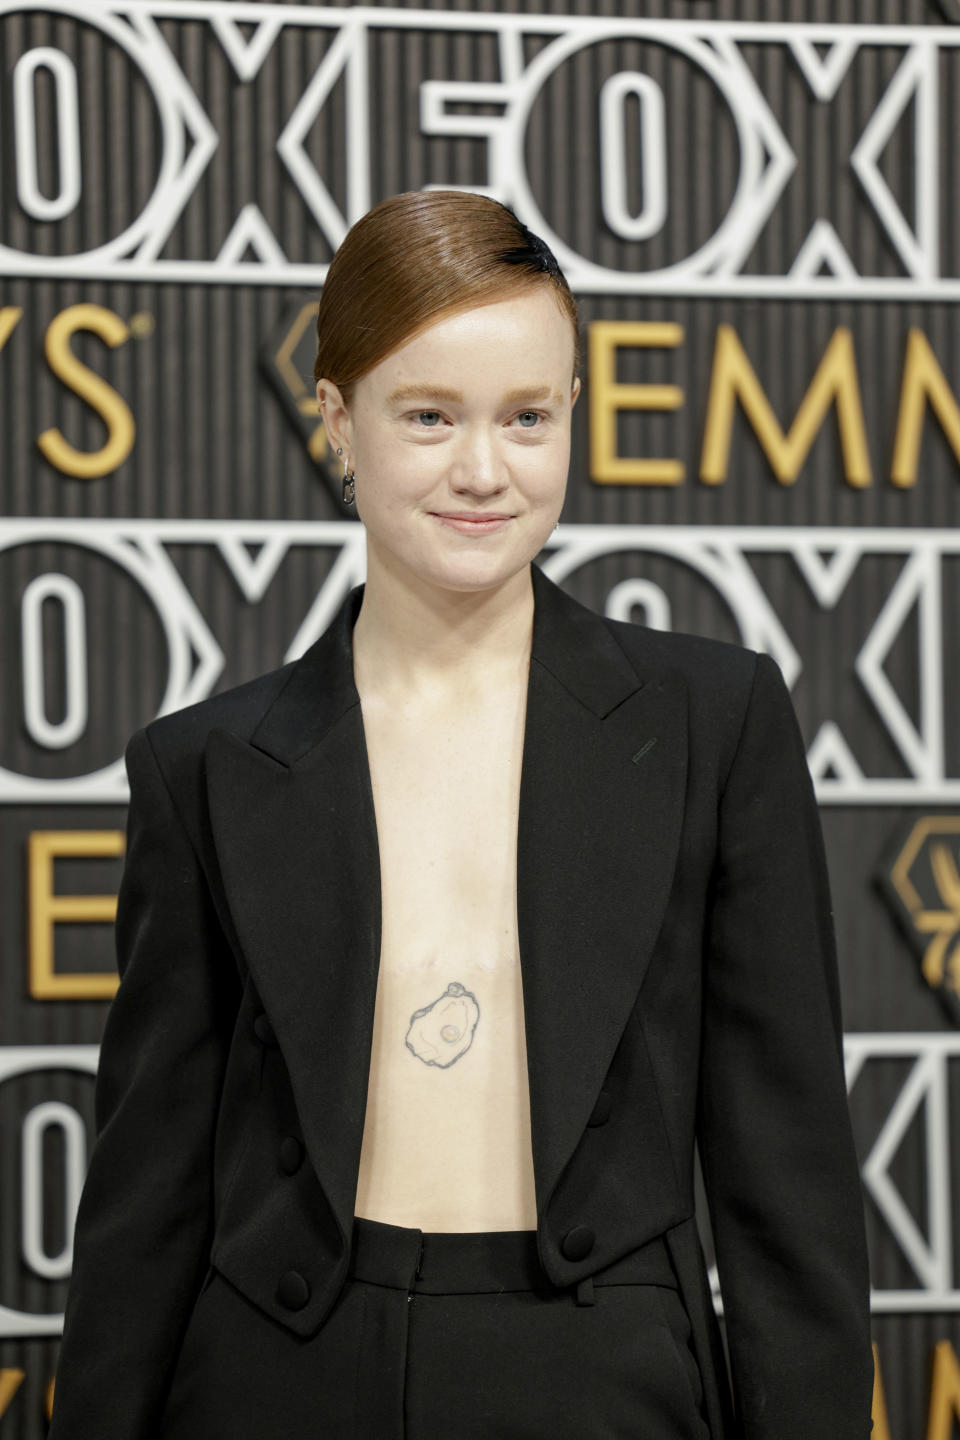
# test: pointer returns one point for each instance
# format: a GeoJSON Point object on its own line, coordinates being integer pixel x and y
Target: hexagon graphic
{"type": "Point", "coordinates": [922, 887]}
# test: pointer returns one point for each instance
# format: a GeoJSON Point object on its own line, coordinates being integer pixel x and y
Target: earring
{"type": "Point", "coordinates": [349, 491]}
{"type": "Point", "coordinates": [349, 481]}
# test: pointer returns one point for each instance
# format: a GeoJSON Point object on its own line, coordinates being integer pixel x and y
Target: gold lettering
{"type": "Point", "coordinates": [835, 381]}
{"type": "Point", "coordinates": [608, 398]}
{"type": "Point", "coordinates": [47, 909]}
{"type": "Point", "coordinates": [881, 1420]}
{"type": "Point", "coordinates": [9, 318]}
{"type": "Point", "coordinates": [923, 380]}
{"type": "Point", "coordinates": [944, 1392]}
{"type": "Point", "coordinates": [101, 397]}
{"type": "Point", "coordinates": [10, 1382]}
{"type": "Point", "coordinates": [305, 398]}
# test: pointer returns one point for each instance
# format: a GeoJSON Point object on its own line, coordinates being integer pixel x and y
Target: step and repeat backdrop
{"type": "Point", "coordinates": [757, 206]}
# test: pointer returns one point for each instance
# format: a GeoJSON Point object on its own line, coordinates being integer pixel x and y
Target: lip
{"type": "Point", "coordinates": [472, 522]}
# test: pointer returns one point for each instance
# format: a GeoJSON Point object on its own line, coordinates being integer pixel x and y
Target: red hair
{"type": "Point", "coordinates": [416, 258]}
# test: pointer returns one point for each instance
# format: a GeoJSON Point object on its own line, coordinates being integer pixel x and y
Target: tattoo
{"type": "Point", "coordinates": [443, 1031]}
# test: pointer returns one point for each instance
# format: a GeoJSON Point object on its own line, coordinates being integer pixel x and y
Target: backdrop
{"type": "Point", "coordinates": [757, 206]}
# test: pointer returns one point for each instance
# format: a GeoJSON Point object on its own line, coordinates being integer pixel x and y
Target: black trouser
{"type": "Point", "coordinates": [439, 1336]}
{"type": "Point", "coordinates": [464, 1339]}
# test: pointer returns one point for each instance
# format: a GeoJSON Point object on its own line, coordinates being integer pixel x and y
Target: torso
{"type": "Point", "coordinates": [446, 1141]}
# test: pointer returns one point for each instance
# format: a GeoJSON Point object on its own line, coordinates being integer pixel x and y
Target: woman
{"type": "Point", "coordinates": [443, 945]}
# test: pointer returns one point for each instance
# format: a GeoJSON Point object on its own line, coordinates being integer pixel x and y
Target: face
{"type": "Point", "coordinates": [460, 441]}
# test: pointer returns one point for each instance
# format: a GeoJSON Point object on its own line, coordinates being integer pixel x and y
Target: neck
{"type": "Point", "coordinates": [411, 637]}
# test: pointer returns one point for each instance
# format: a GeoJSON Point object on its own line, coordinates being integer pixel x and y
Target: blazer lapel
{"type": "Point", "coordinates": [601, 808]}
{"type": "Point", "coordinates": [293, 823]}
{"type": "Point", "coordinates": [601, 812]}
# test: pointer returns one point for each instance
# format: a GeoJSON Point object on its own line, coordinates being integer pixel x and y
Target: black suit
{"type": "Point", "coordinates": [677, 953]}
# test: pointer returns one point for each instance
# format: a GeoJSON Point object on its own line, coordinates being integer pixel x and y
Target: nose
{"type": "Point", "coordinates": [480, 469]}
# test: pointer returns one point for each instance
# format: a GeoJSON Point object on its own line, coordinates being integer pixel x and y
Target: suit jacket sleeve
{"type": "Point", "coordinates": [775, 1140]}
{"type": "Point", "coordinates": [142, 1231]}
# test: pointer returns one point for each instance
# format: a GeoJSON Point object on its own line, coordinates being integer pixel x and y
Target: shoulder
{"type": "Point", "coordinates": [720, 677]}
{"type": "Point", "coordinates": [711, 666]}
{"type": "Point", "coordinates": [238, 709]}
{"type": "Point", "coordinates": [174, 744]}
{"type": "Point", "coordinates": [731, 689]}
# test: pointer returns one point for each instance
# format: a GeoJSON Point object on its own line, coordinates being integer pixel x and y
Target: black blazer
{"type": "Point", "coordinates": [677, 953]}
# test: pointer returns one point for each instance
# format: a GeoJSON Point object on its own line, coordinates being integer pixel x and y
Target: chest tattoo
{"type": "Point", "coordinates": [442, 1031]}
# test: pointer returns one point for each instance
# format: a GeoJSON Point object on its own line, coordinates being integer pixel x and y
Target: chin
{"type": "Point", "coordinates": [471, 572]}
{"type": "Point", "coordinates": [473, 577]}
{"type": "Point", "coordinates": [472, 566]}
{"type": "Point", "coordinates": [483, 570]}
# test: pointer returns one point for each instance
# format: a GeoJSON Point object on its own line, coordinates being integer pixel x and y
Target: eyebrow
{"type": "Point", "coordinates": [404, 393]}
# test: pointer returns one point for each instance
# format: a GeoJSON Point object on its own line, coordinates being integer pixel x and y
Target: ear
{"type": "Point", "coordinates": [575, 391]}
{"type": "Point", "coordinates": [335, 416]}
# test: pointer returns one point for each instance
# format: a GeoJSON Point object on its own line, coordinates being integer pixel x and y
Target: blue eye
{"type": "Point", "coordinates": [528, 418]}
{"type": "Point", "coordinates": [429, 418]}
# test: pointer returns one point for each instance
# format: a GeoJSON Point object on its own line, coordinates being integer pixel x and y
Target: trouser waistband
{"type": "Point", "coordinates": [481, 1262]}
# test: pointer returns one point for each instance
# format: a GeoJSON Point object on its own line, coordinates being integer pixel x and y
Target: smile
{"type": "Point", "coordinates": [484, 524]}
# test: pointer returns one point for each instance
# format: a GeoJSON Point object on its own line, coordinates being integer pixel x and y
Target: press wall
{"type": "Point", "coordinates": [757, 207]}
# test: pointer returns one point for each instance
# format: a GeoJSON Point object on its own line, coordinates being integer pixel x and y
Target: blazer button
{"type": "Point", "coordinates": [293, 1292]}
{"type": "Point", "coordinates": [578, 1242]}
{"type": "Point", "coordinates": [264, 1030]}
{"type": "Point", "coordinates": [291, 1155]}
{"type": "Point", "coordinates": [600, 1113]}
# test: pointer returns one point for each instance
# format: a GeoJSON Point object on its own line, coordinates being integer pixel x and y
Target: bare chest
{"type": "Point", "coordinates": [446, 1141]}
{"type": "Point", "coordinates": [446, 803]}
